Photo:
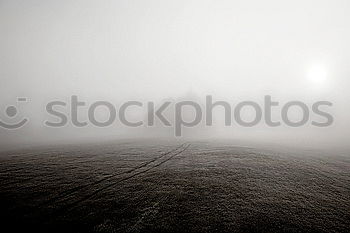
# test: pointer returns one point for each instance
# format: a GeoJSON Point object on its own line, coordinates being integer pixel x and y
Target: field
{"type": "Point", "coordinates": [167, 186]}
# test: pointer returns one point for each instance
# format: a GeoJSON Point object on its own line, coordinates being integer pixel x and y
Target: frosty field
{"type": "Point", "coordinates": [172, 186]}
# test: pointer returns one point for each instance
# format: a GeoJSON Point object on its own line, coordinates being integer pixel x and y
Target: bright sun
{"type": "Point", "coordinates": [317, 76]}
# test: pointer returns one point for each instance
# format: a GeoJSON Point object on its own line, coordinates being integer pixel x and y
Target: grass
{"type": "Point", "coordinates": [173, 187]}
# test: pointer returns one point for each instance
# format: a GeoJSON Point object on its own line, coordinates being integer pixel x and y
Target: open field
{"type": "Point", "coordinates": [164, 186]}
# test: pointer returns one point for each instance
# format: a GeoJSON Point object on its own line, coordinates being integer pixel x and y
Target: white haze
{"type": "Point", "coordinates": [152, 50]}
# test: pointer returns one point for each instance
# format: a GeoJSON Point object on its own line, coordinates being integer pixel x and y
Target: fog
{"type": "Point", "coordinates": [124, 50]}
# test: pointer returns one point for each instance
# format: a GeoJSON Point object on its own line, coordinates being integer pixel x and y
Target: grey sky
{"type": "Point", "coordinates": [121, 50]}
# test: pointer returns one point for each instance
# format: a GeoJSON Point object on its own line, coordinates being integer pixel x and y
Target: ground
{"type": "Point", "coordinates": [173, 186]}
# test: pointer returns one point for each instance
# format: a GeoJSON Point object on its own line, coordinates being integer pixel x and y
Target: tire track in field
{"type": "Point", "coordinates": [68, 192]}
{"type": "Point", "coordinates": [148, 212]}
{"type": "Point", "coordinates": [76, 203]}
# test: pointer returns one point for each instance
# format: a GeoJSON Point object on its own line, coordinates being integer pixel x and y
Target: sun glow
{"type": "Point", "coordinates": [317, 76]}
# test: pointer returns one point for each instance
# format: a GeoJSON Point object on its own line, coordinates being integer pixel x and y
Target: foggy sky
{"type": "Point", "coordinates": [152, 50]}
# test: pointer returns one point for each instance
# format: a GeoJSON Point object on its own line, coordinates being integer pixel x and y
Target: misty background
{"type": "Point", "coordinates": [154, 50]}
